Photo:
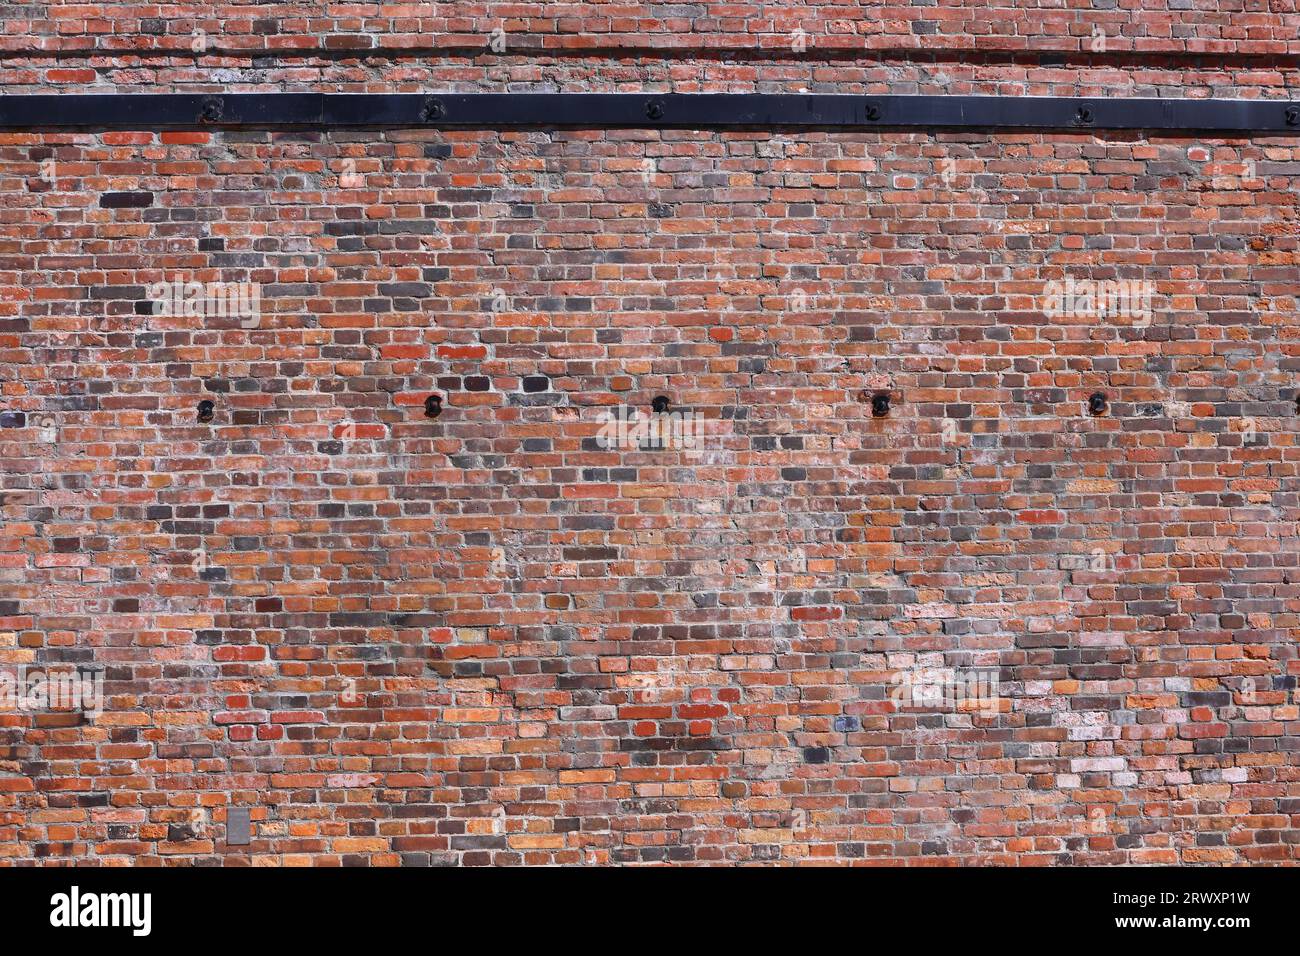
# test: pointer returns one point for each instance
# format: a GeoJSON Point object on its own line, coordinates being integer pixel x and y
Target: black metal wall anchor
{"type": "Point", "coordinates": [433, 110]}
{"type": "Point", "coordinates": [164, 111]}
{"type": "Point", "coordinates": [205, 410]}
{"type": "Point", "coordinates": [879, 402]}
{"type": "Point", "coordinates": [1097, 403]}
{"type": "Point", "coordinates": [211, 111]}
{"type": "Point", "coordinates": [433, 406]}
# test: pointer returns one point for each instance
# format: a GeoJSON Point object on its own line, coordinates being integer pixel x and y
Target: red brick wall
{"type": "Point", "coordinates": [482, 637]}
{"type": "Point", "coordinates": [1190, 26]}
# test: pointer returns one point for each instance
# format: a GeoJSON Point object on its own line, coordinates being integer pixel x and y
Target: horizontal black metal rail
{"type": "Point", "coordinates": [323, 111]}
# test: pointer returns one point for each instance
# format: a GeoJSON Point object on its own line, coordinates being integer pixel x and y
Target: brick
{"type": "Point", "coordinates": [486, 638]}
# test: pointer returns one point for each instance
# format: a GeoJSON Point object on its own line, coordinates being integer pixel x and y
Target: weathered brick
{"type": "Point", "coordinates": [494, 637]}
